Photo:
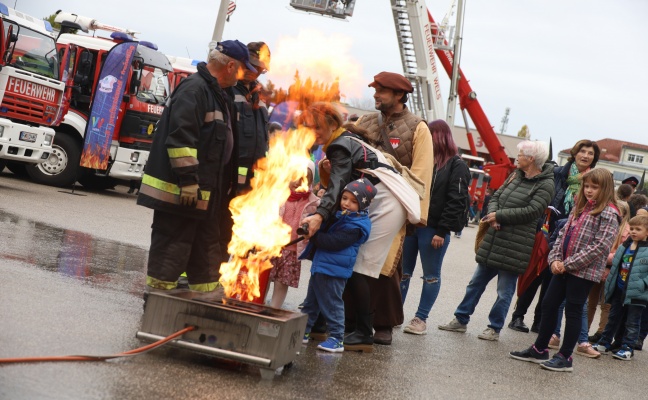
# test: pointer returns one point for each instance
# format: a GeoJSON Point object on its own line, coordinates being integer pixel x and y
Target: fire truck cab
{"type": "Point", "coordinates": [479, 179]}
{"type": "Point", "coordinates": [147, 90]}
{"type": "Point", "coordinates": [31, 91]}
{"type": "Point", "coordinates": [182, 68]}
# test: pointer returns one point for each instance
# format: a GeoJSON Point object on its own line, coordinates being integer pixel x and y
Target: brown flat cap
{"type": "Point", "coordinates": [259, 55]}
{"type": "Point", "coordinates": [392, 81]}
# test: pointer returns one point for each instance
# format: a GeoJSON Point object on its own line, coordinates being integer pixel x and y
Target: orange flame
{"type": "Point", "coordinates": [259, 232]}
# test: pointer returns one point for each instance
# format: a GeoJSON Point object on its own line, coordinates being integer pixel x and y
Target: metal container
{"type": "Point", "coordinates": [227, 328]}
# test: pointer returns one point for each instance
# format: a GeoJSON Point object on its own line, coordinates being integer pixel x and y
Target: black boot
{"type": "Point", "coordinates": [362, 338]}
{"type": "Point", "coordinates": [517, 324]}
{"type": "Point", "coordinates": [535, 327]}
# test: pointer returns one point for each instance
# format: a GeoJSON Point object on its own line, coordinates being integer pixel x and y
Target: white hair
{"type": "Point", "coordinates": [219, 58]}
{"type": "Point", "coordinates": [536, 149]}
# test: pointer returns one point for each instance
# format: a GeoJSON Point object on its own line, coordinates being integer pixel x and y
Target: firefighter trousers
{"type": "Point", "coordinates": [180, 244]}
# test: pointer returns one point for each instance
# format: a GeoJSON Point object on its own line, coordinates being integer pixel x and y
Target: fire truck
{"type": "Point", "coordinates": [182, 68]}
{"type": "Point", "coordinates": [147, 90]}
{"type": "Point", "coordinates": [31, 88]}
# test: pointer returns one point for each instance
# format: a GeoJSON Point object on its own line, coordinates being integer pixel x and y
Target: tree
{"type": "Point", "coordinates": [524, 132]}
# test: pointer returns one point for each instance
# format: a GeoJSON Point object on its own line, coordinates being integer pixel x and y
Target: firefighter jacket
{"type": "Point", "coordinates": [252, 127]}
{"type": "Point", "coordinates": [194, 143]}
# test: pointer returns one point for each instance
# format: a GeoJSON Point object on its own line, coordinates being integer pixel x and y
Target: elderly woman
{"type": "Point", "coordinates": [583, 157]}
{"type": "Point", "coordinates": [513, 212]}
{"type": "Point", "coordinates": [351, 159]}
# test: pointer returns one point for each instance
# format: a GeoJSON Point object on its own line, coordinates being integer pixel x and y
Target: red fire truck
{"type": "Point", "coordinates": [147, 90]}
{"type": "Point", "coordinates": [31, 91]}
{"type": "Point", "coordinates": [182, 68]}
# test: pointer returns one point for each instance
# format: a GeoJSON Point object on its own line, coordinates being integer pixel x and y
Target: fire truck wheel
{"type": "Point", "coordinates": [18, 169]}
{"type": "Point", "coordinates": [60, 168]}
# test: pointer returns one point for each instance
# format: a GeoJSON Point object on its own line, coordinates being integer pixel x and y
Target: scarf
{"type": "Point", "coordinates": [336, 134]}
{"type": "Point", "coordinates": [297, 196]}
{"type": "Point", "coordinates": [573, 186]}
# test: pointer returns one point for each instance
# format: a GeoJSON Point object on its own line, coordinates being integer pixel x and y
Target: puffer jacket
{"type": "Point", "coordinates": [517, 205]}
{"type": "Point", "coordinates": [189, 148]}
{"type": "Point", "coordinates": [636, 290]}
{"type": "Point", "coordinates": [331, 256]}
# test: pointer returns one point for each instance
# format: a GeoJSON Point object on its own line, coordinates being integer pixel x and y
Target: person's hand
{"type": "Point", "coordinates": [189, 195]}
{"type": "Point", "coordinates": [326, 165]}
{"type": "Point", "coordinates": [437, 242]}
{"type": "Point", "coordinates": [606, 272]}
{"type": "Point", "coordinates": [321, 192]}
{"type": "Point", "coordinates": [314, 222]}
{"type": "Point", "coordinates": [557, 267]}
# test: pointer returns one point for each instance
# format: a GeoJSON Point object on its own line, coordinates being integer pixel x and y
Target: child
{"type": "Point", "coordinates": [577, 261]}
{"type": "Point", "coordinates": [596, 295]}
{"type": "Point", "coordinates": [286, 269]}
{"type": "Point", "coordinates": [333, 252]}
{"type": "Point", "coordinates": [626, 288]}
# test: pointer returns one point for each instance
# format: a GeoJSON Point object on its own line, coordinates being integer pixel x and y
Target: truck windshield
{"type": "Point", "coordinates": [154, 86]}
{"type": "Point", "coordinates": [34, 52]}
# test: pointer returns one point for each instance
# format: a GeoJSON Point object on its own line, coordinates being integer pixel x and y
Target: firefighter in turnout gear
{"type": "Point", "coordinates": [253, 115]}
{"type": "Point", "coordinates": [191, 171]}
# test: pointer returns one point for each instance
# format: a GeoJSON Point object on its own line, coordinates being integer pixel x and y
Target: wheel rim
{"type": "Point", "coordinates": [55, 163]}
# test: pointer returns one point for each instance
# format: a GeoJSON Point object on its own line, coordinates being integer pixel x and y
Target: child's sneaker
{"type": "Point", "coordinates": [586, 350]}
{"type": "Point", "coordinates": [625, 353]}
{"type": "Point", "coordinates": [454, 326]}
{"type": "Point", "coordinates": [331, 345]}
{"type": "Point", "coordinates": [416, 326]}
{"type": "Point", "coordinates": [306, 338]}
{"type": "Point", "coordinates": [602, 348]}
{"type": "Point", "coordinates": [554, 343]}
{"type": "Point", "coordinates": [531, 355]}
{"type": "Point", "coordinates": [558, 363]}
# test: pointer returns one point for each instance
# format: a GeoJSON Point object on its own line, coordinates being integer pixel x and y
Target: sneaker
{"type": "Point", "coordinates": [554, 343]}
{"type": "Point", "coordinates": [489, 334]}
{"type": "Point", "coordinates": [625, 353]}
{"type": "Point", "coordinates": [416, 326]}
{"type": "Point", "coordinates": [602, 348]}
{"type": "Point", "coordinates": [586, 350]}
{"type": "Point", "coordinates": [639, 344]}
{"type": "Point", "coordinates": [558, 363]}
{"type": "Point", "coordinates": [595, 337]}
{"type": "Point", "coordinates": [531, 355]}
{"type": "Point", "coordinates": [454, 326]}
{"type": "Point", "coordinates": [301, 305]}
{"type": "Point", "coordinates": [517, 324]}
{"type": "Point", "coordinates": [332, 345]}
{"type": "Point", "coordinates": [306, 338]}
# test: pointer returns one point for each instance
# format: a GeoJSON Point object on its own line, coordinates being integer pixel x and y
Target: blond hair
{"type": "Point", "coordinates": [625, 217]}
{"type": "Point", "coordinates": [605, 196]}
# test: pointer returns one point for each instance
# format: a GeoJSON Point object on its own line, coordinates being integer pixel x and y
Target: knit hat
{"type": "Point", "coordinates": [363, 190]}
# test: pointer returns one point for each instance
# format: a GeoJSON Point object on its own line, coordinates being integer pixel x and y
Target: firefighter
{"type": "Point", "coordinates": [253, 115]}
{"type": "Point", "coordinates": [190, 172]}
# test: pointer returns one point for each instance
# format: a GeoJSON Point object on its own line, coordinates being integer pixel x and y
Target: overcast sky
{"type": "Point", "coordinates": [569, 69]}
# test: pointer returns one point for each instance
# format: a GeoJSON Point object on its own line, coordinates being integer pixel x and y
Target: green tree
{"type": "Point", "coordinates": [524, 132]}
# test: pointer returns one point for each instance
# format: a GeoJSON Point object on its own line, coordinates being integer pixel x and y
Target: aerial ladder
{"type": "Point", "coordinates": [422, 41]}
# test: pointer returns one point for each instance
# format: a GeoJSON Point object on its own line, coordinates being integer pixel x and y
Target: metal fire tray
{"type": "Point", "coordinates": [227, 328]}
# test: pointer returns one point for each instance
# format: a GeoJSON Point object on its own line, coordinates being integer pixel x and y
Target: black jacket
{"type": "Point", "coordinates": [345, 155]}
{"type": "Point", "coordinates": [449, 197]}
{"type": "Point", "coordinates": [189, 147]}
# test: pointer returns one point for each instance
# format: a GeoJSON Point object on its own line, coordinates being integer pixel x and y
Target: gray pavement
{"type": "Point", "coordinates": [72, 271]}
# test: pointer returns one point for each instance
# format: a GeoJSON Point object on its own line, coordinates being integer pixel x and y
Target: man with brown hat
{"type": "Point", "coordinates": [407, 138]}
{"type": "Point", "coordinates": [253, 115]}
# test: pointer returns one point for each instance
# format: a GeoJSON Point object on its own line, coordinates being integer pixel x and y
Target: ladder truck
{"type": "Point", "coordinates": [422, 41]}
{"type": "Point", "coordinates": [31, 89]}
{"type": "Point", "coordinates": [147, 90]}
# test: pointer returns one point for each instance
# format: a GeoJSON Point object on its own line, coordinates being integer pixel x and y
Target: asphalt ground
{"type": "Point", "coordinates": [72, 274]}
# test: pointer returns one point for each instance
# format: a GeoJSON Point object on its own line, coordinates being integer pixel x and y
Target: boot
{"type": "Point", "coordinates": [362, 338]}
{"type": "Point", "coordinates": [517, 324]}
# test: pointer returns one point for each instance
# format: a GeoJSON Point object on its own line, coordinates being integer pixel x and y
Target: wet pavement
{"type": "Point", "coordinates": [72, 274]}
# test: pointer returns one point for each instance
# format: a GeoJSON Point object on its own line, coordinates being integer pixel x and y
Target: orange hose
{"type": "Point", "coordinates": [139, 350]}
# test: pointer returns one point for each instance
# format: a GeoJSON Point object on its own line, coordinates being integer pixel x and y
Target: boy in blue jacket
{"type": "Point", "coordinates": [625, 287]}
{"type": "Point", "coordinates": [333, 252]}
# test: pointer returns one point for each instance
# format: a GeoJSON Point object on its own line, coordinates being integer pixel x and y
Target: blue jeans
{"type": "Point", "coordinates": [431, 260]}
{"type": "Point", "coordinates": [633, 320]}
{"type": "Point", "coordinates": [325, 296]}
{"type": "Point", "coordinates": [506, 282]}
{"type": "Point", "coordinates": [583, 336]}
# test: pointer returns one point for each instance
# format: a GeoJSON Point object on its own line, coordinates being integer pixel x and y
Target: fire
{"type": "Point", "coordinates": [259, 232]}
{"type": "Point", "coordinates": [322, 57]}
{"type": "Point", "coordinates": [95, 157]}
